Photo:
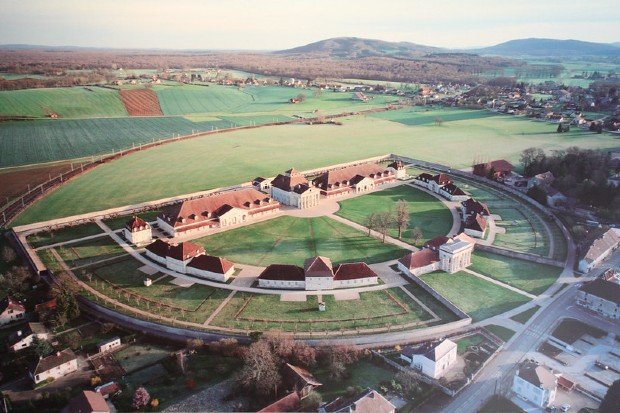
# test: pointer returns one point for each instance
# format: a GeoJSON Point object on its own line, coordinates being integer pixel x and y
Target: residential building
{"type": "Point", "coordinates": [602, 295]}
{"type": "Point", "coordinates": [110, 344]}
{"type": "Point", "coordinates": [157, 251]}
{"type": "Point", "coordinates": [498, 169]}
{"type": "Point", "coordinates": [290, 277]}
{"type": "Point", "coordinates": [87, 401]}
{"type": "Point", "coordinates": [470, 207]}
{"type": "Point", "coordinates": [261, 184]}
{"type": "Point", "coordinates": [288, 403]}
{"type": "Point", "coordinates": [222, 209]}
{"type": "Point", "coordinates": [319, 273]}
{"type": "Point", "coordinates": [137, 231]}
{"type": "Point", "coordinates": [54, 366]}
{"type": "Point", "coordinates": [441, 184]}
{"type": "Point", "coordinates": [535, 383]}
{"type": "Point", "coordinates": [419, 262]}
{"type": "Point", "coordinates": [432, 359]}
{"type": "Point", "coordinates": [368, 401]}
{"type": "Point", "coordinates": [543, 180]}
{"type": "Point", "coordinates": [292, 188]}
{"type": "Point", "coordinates": [453, 193]}
{"type": "Point", "coordinates": [211, 268]}
{"type": "Point", "coordinates": [108, 389]}
{"type": "Point", "coordinates": [11, 310]}
{"type": "Point", "coordinates": [600, 249]}
{"type": "Point", "coordinates": [441, 253]}
{"type": "Point", "coordinates": [555, 198]}
{"type": "Point", "coordinates": [24, 337]}
{"type": "Point", "coordinates": [355, 178]}
{"type": "Point", "coordinates": [399, 169]}
{"type": "Point", "coordinates": [180, 255]}
{"type": "Point", "coordinates": [475, 226]}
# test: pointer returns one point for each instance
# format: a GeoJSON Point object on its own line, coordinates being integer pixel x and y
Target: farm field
{"type": "Point", "coordinates": [140, 102]}
{"type": "Point", "coordinates": [275, 149]}
{"type": "Point", "coordinates": [425, 211]}
{"type": "Point", "coordinates": [374, 309]}
{"type": "Point", "coordinates": [477, 297]}
{"type": "Point", "coordinates": [525, 275]}
{"type": "Point", "coordinates": [289, 240]}
{"type": "Point", "coordinates": [15, 180]}
{"type": "Point", "coordinates": [71, 102]}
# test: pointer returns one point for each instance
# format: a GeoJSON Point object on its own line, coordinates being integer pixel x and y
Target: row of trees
{"type": "Point", "coordinates": [398, 218]}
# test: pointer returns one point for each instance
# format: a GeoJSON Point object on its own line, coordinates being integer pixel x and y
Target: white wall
{"type": "Point", "coordinates": [155, 257]}
{"type": "Point", "coordinates": [210, 275]}
{"type": "Point", "coordinates": [138, 237]}
{"type": "Point", "coordinates": [534, 394]}
{"type": "Point", "coordinates": [8, 316]}
{"type": "Point", "coordinates": [358, 282]}
{"type": "Point", "coordinates": [319, 283]}
{"type": "Point", "coordinates": [288, 285]}
{"type": "Point", "coordinates": [56, 372]}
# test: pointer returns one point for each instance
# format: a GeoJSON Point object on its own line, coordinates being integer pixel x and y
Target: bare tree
{"type": "Point", "coordinates": [401, 217]}
{"type": "Point", "coordinates": [259, 373]}
{"type": "Point", "coordinates": [416, 235]}
{"type": "Point", "coordinates": [371, 222]}
{"type": "Point", "coordinates": [384, 222]}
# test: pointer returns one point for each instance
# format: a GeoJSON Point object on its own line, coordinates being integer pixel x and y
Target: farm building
{"type": "Point", "coordinates": [137, 231]}
{"type": "Point", "coordinates": [221, 209]}
{"type": "Point", "coordinates": [11, 310]}
{"type": "Point", "coordinates": [110, 344]}
{"type": "Point", "coordinates": [180, 255]}
{"type": "Point", "coordinates": [543, 180]}
{"type": "Point", "coordinates": [600, 249]}
{"type": "Point", "coordinates": [498, 169]}
{"type": "Point", "coordinates": [453, 193]}
{"type": "Point", "coordinates": [317, 274]}
{"type": "Point", "coordinates": [535, 383]}
{"type": "Point", "coordinates": [54, 366]}
{"type": "Point", "coordinates": [368, 401]}
{"type": "Point", "coordinates": [433, 359]}
{"type": "Point", "coordinates": [299, 379]}
{"type": "Point", "coordinates": [356, 178]}
{"type": "Point", "coordinates": [475, 226]}
{"type": "Point", "coordinates": [292, 188]}
{"type": "Point", "coordinates": [23, 338]}
{"type": "Point", "coordinates": [441, 253]}
{"type": "Point", "coordinates": [602, 295]}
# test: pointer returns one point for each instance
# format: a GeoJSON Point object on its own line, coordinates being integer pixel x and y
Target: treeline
{"type": "Point", "coordinates": [62, 80]}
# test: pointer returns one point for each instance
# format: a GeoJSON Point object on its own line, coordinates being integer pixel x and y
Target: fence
{"type": "Point", "coordinates": [520, 255]}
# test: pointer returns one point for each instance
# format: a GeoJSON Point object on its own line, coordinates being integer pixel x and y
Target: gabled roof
{"type": "Point", "coordinates": [288, 403]}
{"type": "Point", "coordinates": [108, 388]}
{"type": "Point", "coordinates": [55, 360]}
{"type": "Point", "coordinates": [9, 303]}
{"type": "Point", "coordinates": [436, 242]}
{"type": "Point", "coordinates": [343, 176]}
{"type": "Point", "coordinates": [159, 247]}
{"type": "Point", "coordinates": [501, 165]}
{"type": "Point", "coordinates": [607, 290]}
{"type": "Point", "coordinates": [352, 271]}
{"type": "Point", "coordinates": [609, 239]}
{"type": "Point", "coordinates": [318, 267]}
{"type": "Point", "coordinates": [369, 401]}
{"type": "Point", "coordinates": [396, 165]}
{"type": "Point", "coordinates": [424, 177]}
{"type": "Point", "coordinates": [136, 224]}
{"type": "Point", "coordinates": [210, 263]}
{"type": "Point", "coordinates": [433, 350]}
{"type": "Point", "coordinates": [476, 223]}
{"type": "Point", "coordinates": [291, 180]}
{"type": "Point", "coordinates": [471, 205]}
{"type": "Point", "coordinates": [453, 189]}
{"type": "Point", "coordinates": [283, 272]}
{"type": "Point", "coordinates": [185, 250]}
{"type": "Point", "coordinates": [303, 374]}
{"type": "Point", "coordinates": [87, 402]}
{"type": "Point", "coordinates": [28, 330]}
{"type": "Point", "coordinates": [539, 376]}
{"type": "Point", "coordinates": [419, 259]}
{"type": "Point", "coordinates": [442, 179]}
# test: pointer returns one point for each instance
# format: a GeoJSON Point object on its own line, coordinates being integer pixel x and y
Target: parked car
{"type": "Point", "coordinates": [565, 407]}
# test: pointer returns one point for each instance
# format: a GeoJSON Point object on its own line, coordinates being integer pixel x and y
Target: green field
{"type": "Point", "coordinates": [363, 374]}
{"type": "Point", "coordinates": [524, 231]}
{"type": "Point", "coordinates": [374, 309]}
{"type": "Point", "coordinates": [72, 102]}
{"type": "Point", "coordinates": [425, 211]}
{"type": "Point", "coordinates": [214, 161]}
{"type": "Point", "coordinates": [480, 299]}
{"type": "Point", "coordinates": [526, 275]}
{"type": "Point", "coordinates": [90, 251]}
{"type": "Point", "coordinates": [502, 332]}
{"type": "Point", "coordinates": [289, 240]}
{"type": "Point", "coordinates": [525, 315]}
{"type": "Point", "coordinates": [64, 234]}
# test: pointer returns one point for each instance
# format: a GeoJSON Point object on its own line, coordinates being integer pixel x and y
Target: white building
{"type": "Point", "coordinates": [600, 249]}
{"type": "Point", "coordinates": [181, 254]}
{"type": "Point", "coordinates": [261, 184]}
{"type": "Point", "coordinates": [319, 274]}
{"type": "Point", "coordinates": [441, 253]}
{"type": "Point", "coordinates": [55, 366]}
{"type": "Point", "coordinates": [282, 276]}
{"type": "Point", "coordinates": [11, 310]}
{"type": "Point", "coordinates": [211, 268]}
{"type": "Point", "coordinates": [470, 208]}
{"type": "Point", "coordinates": [111, 344]}
{"type": "Point", "coordinates": [602, 295]}
{"type": "Point", "coordinates": [475, 226]}
{"type": "Point", "coordinates": [292, 188]}
{"type": "Point", "coordinates": [137, 231]}
{"type": "Point", "coordinates": [433, 359]}
{"type": "Point", "coordinates": [535, 383]}
{"type": "Point", "coordinates": [399, 169]}
{"type": "Point", "coordinates": [158, 251]}
{"type": "Point", "coordinates": [23, 338]}
{"type": "Point", "coordinates": [453, 193]}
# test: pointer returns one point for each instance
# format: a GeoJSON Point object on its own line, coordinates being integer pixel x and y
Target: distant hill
{"type": "Point", "coordinates": [550, 48]}
{"type": "Point", "coordinates": [355, 47]}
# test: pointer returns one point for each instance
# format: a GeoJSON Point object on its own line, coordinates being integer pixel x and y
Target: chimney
{"type": "Point", "coordinates": [19, 333]}
{"type": "Point", "coordinates": [58, 354]}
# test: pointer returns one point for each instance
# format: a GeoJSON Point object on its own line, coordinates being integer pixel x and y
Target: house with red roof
{"type": "Point", "coordinates": [498, 169]}
{"type": "Point", "coordinates": [440, 184]}
{"type": "Point", "coordinates": [11, 310]}
{"type": "Point", "coordinates": [137, 231]}
{"type": "Point", "coordinates": [211, 268]}
{"type": "Point", "coordinates": [179, 255]}
{"type": "Point", "coordinates": [354, 178]}
{"type": "Point", "coordinates": [368, 401]}
{"type": "Point", "coordinates": [158, 251]}
{"type": "Point", "coordinates": [319, 273]}
{"type": "Point", "coordinates": [475, 226]}
{"type": "Point", "coordinates": [87, 402]}
{"type": "Point", "coordinates": [440, 253]}
{"type": "Point", "coordinates": [399, 169]}
{"type": "Point", "coordinates": [453, 193]}
{"type": "Point", "coordinates": [292, 188]}
{"type": "Point", "coordinates": [470, 207]}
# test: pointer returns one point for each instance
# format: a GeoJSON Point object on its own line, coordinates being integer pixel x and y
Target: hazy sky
{"type": "Point", "coordinates": [278, 24]}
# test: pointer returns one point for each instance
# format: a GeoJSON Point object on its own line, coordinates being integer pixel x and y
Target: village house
{"type": "Point", "coordinates": [317, 274]}
{"type": "Point", "coordinates": [356, 178]}
{"type": "Point", "coordinates": [602, 295]}
{"type": "Point", "coordinates": [109, 345]}
{"type": "Point", "coordinates": [600, 249]}
{"type": "Point", "coordinates": [292, 188]}
{"type": "Point", "coordinates": [54, 366]}
{"type": "Point", "coordinates": [87, 401]}
{"type": "Point", "coordinates": [24, 337]}
{"type": "Point", "coordinates": [535, 383]}
{"type": "Point", "coordinates": [157, 251]}
{"type": "Point", "coordinates": [137, 231]}
{"type": "Point", "coordinates": [11, 310]}
{"type": "Point", "coordinates": [368, 401]}
{"type": "Point", "coordinates": [221, 209]}
{"type": "Point", "coordinates": [211, 268]}
{"type": "Point", "coordinates": [441, 253]}
{"type": "Point", "coordinates": [471, 208]}
{"type": "Point", "coordinates": [543, 180]}
{"type": "Point", "coordinates": [299, 380]}
{"type": "Point", "coordinates": [432, 359]}
{"type": "Point", "coordinates": [555, 198]}
{"type": "Point", "coordinates": [453, 193]}
{"type": "Point", "coordinates": [261, 184]}
{"type": "Point", "coordinates": [498, 169]}
{"type": "Point", "coordinates": [108, 389]}
{"type": "Point", "coordinates": [180, 255]}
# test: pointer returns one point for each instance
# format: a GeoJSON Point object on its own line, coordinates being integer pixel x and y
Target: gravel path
{"type": "Point", "coordinates": [211, 400]}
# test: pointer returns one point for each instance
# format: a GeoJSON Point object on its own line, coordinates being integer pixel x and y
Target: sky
{"type": "Point", "coordinates": [281, 24]}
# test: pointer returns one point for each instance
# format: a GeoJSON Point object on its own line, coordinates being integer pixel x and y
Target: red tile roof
{"type": "Point", "coordinates": [396, 165]}
{"type": "Point", "coordinates": [283, 272]}
{"type": "Point", "coordinates": [424, 177]}
{"type": "Point", "coordinates": [136, 224]}
{"type": "Point", "coordinates": [442, 179]}
{"type": "Point", "coordinates": [185, 250]}
{"type": "Point", "coordinates": [453, 189]}
{"type": "Point", "coordinates": [318, 267]}
{"type": "Point", "coordinates": [304, 375]}
{"type": "Point", "coordinates": [420, 258]}
{"type": "Point", "coordinates": [472, 206]}
{"type": "Point", "coordinates": [108, 388]}
{"type": "Point", "coordinates": [367, 402]}
{"type": "Point", "coordinates": [501, 165]}
{"type": "Point", "coordinates": [9, 303]}
{"type": "Point", "coordinates": [159, 248]}
{"type": "Point", "coordinates": [352, 271]}
{"type": "Point", "coordinates": [288, 403]}
{"type": "Point", "coordinates": [290, 181]}
{"type": "Point", "coordinates": [436, 242]}
{"type": "Point", "coordinates": [210, 263]}
{"type": "Point", "coordinates": [47, 305]}
{"type": "Point", "coordinates": [342, 177]}
{"type": "Point", "coordinates": [476, 223]}
{"type": "Point", "coordinates": [87, 402]}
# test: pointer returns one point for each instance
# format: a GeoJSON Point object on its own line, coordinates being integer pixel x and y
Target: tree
{"type": "Point", "coordinates": [15, 281]}
{"type": "Point", "coordinates": [416, 235]}
{"type": "Point", "coordinates": [260, 374]}
{"type": "Point", "coordinates": [67, 307]}
{"type": "Point", "coordinates": [8, 254]}
{"type": "Point", "coordinates": [311, 402]}
{"type": "Point", "coordinates": [384, 221]}
{"type": "Point", "coordinates": [401, 216]}
{"type": "Point", "coordinates": [140, 399]}
{"type": "Point", "coordinates": [371, 222]}
{"type": "Point", "coordinates": [336, 358]}
{"type": "Point", "coordinates": [40, 348]}
{"type": "Point", "coordinates": [611, 401]}
{"type": "Point", "coordinates": [537, 194]}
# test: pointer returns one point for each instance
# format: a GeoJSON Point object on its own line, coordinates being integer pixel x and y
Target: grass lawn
{"type": "Point", "coordinates": [501, 332]}
{"type": "Point", "coordinates": [475, 296]}
{"type": "Point", "coordinates": [361, 374]}
{"type": "Point", "coordinates": [524, 232]}
{"type": "Point", "coordinates": [119, 222]}
{"type": "Point", "coordinates": [63, 235]}
{"type": "Point", "coordinates": [136, 356]}
{"type": "Point", "coordinates": [526, 275]}
{"type": "Point", "coordinates": [290, 240]}
{"type": "Point", "coordinates": [571, 330]}
{"type": "Point", "coordinates": [373, 309]}
{"type": "Point", "coordinates": [275, 149]}
{"type": "Point", "coordinates": [500, 404]}
{"type": "Point", "coordinates": [425, 211]}
{"type": "Point", "coordinates": [431, 302]}
{"type": "Point", "coordinates": [90, 251]}
{"type": "Point", "coordinates": [526, 315]}
{"type": "Point", "coordinates": [464, 343]}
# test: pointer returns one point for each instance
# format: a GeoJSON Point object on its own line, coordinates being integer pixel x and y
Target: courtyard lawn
{"type": "Point", "coordinates": [373, 309]}
{"type": "Point", "coordinates": [63, 235]}
{"type": "Point", "coordinates": [363, 374]}
{"type": "Point", "coordinates": [501, 332]}
{"type": "Point", "coordinates": [119, 222]}
{"type": "Point", "coordinates": [289, 240]}
{"type": "Point", "coordinates": [525, 315]}
{"type": "Point", "coordinates": [526, 275]}
{"type": "Point", "coordinates": [478, 298]}
{"type": "Point", "coordinates": [524, 231]}
{"type": "Point", "coordinates": [137, 356]}
{"type": "Point", "coordinates": [425, 211]}
{"type": "Point", "coordinates": [214, 161]}
{"type": "Point", "coordinates": [90, 251]}
{"type": "Point", "coordinates": [464, 343]}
